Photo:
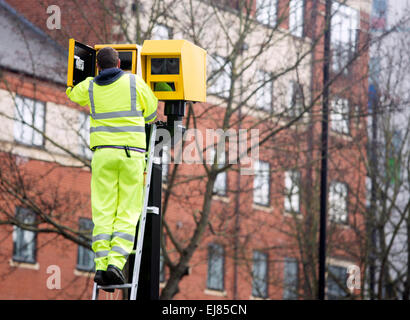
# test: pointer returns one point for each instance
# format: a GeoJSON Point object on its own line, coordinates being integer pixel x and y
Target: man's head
{"type": "Point", "coordinates": [107, 57]}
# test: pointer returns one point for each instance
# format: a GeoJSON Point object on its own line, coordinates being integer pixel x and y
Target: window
{"type": "Point", "coordinates": [221, 178]}
{"type": "Point", "coordinates": [261, 183]}
{"type": "Point", "coordinates": [296, 12]}
{"type": "Point", "coordinates": [292, 198]}
{"type": "Point", "coordinates": [336, 282]}
{"type": "Point", "coordinates": [161, 32]}
{"type": "Point", "coordinates": [295, 99]}
{"type": "Point", "coordinates": [260, 275]}
{"type": "Point", "coordinates": [264, 95]}
{"type": "Point", "coordinates": [344, 29]}
{"type": "Point", "coordinates": [220, 76]}
{"type": "Point", "coordinates": [290, 279]}
{"type": "Point", "coordinates": [378, 16]}
{"type": "Point", "coordinates": [266, 12]}
{"type": "Point", "coordinates": [24, 241]}
{"type": "Point", "coordinates": [338, 202]}
{"type": "Point", "coordinates": [339, 116]}
{"type": "Point", "coordinates": [85, 256]}
{"type": "Point", "coordinates": [215, 279]}
{"type": "Point", "coordinates": [84, 136]}
{"type": "Point", "coordinates": [394, 148]}
{"type": "Point", "coordinates": [29, 114]}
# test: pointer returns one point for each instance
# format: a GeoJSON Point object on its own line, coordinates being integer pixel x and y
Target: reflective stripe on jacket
{"type": "Point", "coordinates": [118, 110]}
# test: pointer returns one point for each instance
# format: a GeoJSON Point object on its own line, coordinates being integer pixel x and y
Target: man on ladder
{"type": "Point", "coordinates": [120, 105]}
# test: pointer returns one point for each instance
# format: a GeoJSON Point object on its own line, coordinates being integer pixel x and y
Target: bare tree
{"type": "Point", "coordinates": [252, 60]}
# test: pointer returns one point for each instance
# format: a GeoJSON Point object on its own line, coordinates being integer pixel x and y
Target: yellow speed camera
{"type": "Point", "coordinates": [82, 60]}
{"type": "Point", "coordinates": [174, 69]}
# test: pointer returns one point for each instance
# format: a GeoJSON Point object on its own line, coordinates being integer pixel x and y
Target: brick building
{"type": "Point", "coordinates": [258, 238]}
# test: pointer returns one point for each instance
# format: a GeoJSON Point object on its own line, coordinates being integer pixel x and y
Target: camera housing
{"type": "Point", "coordinates": [174, 69]}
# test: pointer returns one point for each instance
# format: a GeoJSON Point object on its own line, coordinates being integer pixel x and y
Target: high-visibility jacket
{"type": "Point", "coordinates": [118, 110]}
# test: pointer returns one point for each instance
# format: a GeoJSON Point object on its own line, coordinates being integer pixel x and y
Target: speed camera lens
{"type": "Point", "coordinates": [165, 66]}
{"type": "Point", "coordinates": [173, 66]}
{"type": "Point", "coordinates": [158, 66]}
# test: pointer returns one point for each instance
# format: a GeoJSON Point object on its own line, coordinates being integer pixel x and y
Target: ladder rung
{"type": "Point", "coordinates": [154, 210]}
{"type": "Point", "coordinates": [116, 286]}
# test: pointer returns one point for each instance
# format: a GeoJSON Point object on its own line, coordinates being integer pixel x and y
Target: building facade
{"type": "Point", "coordinates": [388, 151]}
{"type": "Point", "coordinates": [237, 228]}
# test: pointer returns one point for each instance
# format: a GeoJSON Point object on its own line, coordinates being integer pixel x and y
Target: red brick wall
{"type": "Point", "coordinates": [260, 229]}
{"type": "Point", "coordinates": [89, 22]}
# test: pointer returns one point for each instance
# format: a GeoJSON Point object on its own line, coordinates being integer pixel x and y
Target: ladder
{"type": "Point", "coordinates": [140, 238]}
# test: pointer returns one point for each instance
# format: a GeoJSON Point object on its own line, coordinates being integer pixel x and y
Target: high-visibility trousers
{"type": "Point", "coordinates": [116, 201]}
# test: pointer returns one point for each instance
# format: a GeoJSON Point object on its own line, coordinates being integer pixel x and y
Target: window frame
{"type": "Point", "coordinates": [212, 249]}
{"type": "Point", "coordinates": [289, 193]}
{"type": "Point", "coordinates": [20, 125]}
{"type": "Point", "coordinates": [19, 235]}
{"type": "Point", "coordinates": [293, 14]}
{"type": "Point", "coordinates": [222, 81]}
{"type": "Point", "coordinates": [329, 278]}
{"type": "Point", "coordinates": [295, 99]}
{"type": "Point", "coordinates": [343, 14]}
{"type": "Point", "coordinates": [256, 292]}
{"type": "Point", "coordinates": [293, 293]}
{"type": "Point", "coordinates": [222, 176]}
{"type": "Point", "coordinates": [268, 203]}
{"type": "Point", "coordinates": [81, 250]}
{"type": "Point", "coordinates": [265, 17]}
{"type": "Point", "coordinates": [338, 115]}
{"type": "Point", "coordinates": [263, 91]}
{"type": "Point", "coordinates": [333, 217]}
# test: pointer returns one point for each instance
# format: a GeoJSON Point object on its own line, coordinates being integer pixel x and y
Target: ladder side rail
{"type": "Point", "coordinates": [140, 239]}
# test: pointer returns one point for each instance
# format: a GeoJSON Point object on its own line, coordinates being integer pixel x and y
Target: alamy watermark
{"type": "Point", "coordinates": [54, 20]}
{"type": "Point", "coordinates": [54, 280]}
{"type": "Point", "coordinates": [353, 280]}
{"type": "Point", "coordinates": [224, 147]}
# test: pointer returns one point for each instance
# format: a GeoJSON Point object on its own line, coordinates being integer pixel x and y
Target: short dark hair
{"type": "Point", "coordinates": [107, 57]}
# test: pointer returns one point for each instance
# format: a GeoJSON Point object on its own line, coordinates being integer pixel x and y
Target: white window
{"type": "Point", "coordinates": [292, 198]}
{"type": "Point", "coordinates": [220, 76]}
{"type": "Point", "coordinates": [295, 99]}
{"type": "Point", "coordinates": [161, 32]}
{"type": "Point", "coordinates": [339, 115]}
{"type": "Point", "coordinates": [260, 275]}
{"type": "Point", "coordinates": [264, 95]}
{"type": "Point", "coordinates": [266, 12]}
{"type": "Point", "coordinates": [296, 12]}
{"type": "Point", "coordinates": [24, 241]}
{"type": "Point", "coordinates": [344, 29]}
{"type": "Point", "coordinates": [221, 178]}
{"type": "Point", "coordinates": [338, 202]}
{"type": "Point", "coordinates": [84, 136]}
{"type": "Point", "coordinates": [29, 121]}
{"type": "Point", "coordinates": [261, 183]}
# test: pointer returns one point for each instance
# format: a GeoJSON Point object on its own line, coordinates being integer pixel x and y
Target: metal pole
{"type": "Point", "coordinates": [324, 147]}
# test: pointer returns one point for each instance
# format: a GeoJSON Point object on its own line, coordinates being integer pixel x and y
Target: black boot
{"type": "Point", "coordinates": [114, 275]}
{"type": "Point", "coordinates": [100, 278]}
